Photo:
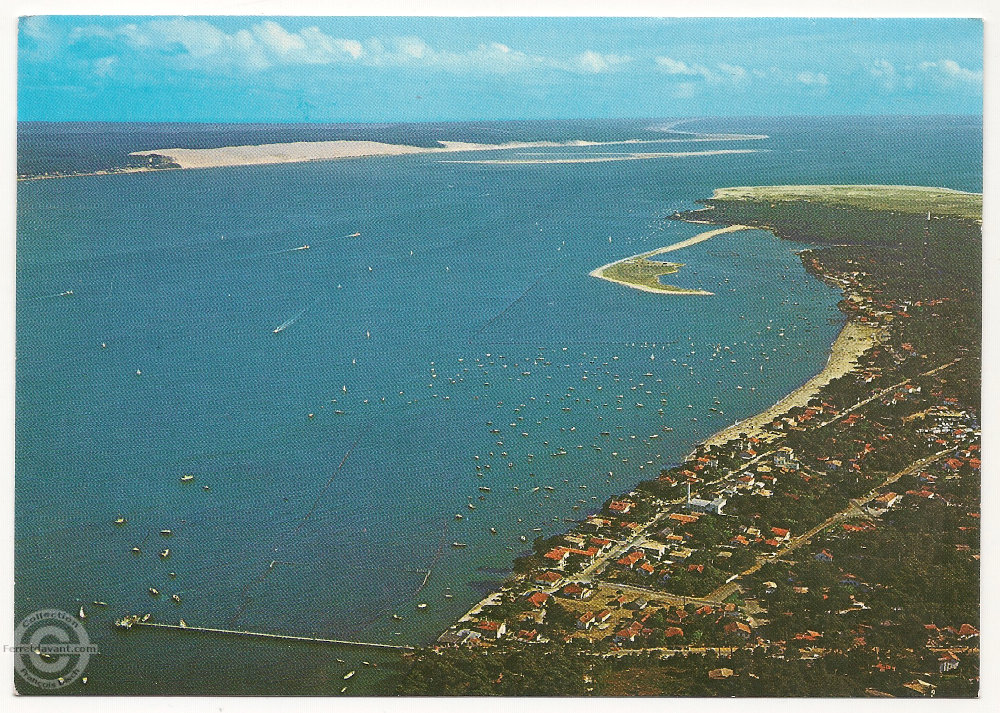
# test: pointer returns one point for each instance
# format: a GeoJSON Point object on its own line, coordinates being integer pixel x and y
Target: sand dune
{"type": "Point", "coordinates": [301, 151]}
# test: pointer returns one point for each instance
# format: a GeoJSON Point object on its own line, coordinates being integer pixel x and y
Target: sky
{"type": "Point", "coordinates": [334, 69]}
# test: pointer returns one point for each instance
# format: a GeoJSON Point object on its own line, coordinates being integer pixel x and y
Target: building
{"type": "Point", "coordinates": [713, 507]}
{"type": "Point", "coordinates": [492, 629]}
{"type": "Point", "coordinates": [457, 638]}
{"type": "Point", "coordinates": [717, 673]}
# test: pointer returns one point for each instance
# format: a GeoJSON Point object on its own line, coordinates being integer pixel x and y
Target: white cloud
{"type": "Point", "coordinates": [735, 72]}
{"type": "Point", "coordinates": [684, 90]}
{"type": "Point", "coordinates": [595, 62]}
{"type": "Point", "coordinates": [673, 66]}
{"type": "Point", "coordinates": [886, 75]}
{"type": "Point", "coordinates": [950, 74]}
{"type": "Point", "coordinates": [199, 44]}
{"type": "Point", "coordinates": [721, 73]}
{"type": "Point", "coordinates": [104, 66]}
{"type": "Point", "coordinates": [44, 40]}
{"type": "Point", "coordinates": [278, 39]}
{"type": "Point", "coordinates": [812, 79]}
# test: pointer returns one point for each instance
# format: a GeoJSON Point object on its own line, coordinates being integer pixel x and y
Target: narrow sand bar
{"type": "Point", "coordinates": [853, 341]}
{"type": "Point", "coordinates": [602, 159]}
{"type": "Point", "coordinates": [301, 151]}
{"type": "Point", "coordinates": [601, 272]}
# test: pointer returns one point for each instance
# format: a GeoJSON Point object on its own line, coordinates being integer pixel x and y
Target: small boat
{"type": "Point", "coordinates": [82, 614]}
{"type": "Point", "coordinates": [459, 545]}
{"type": "Point", "coordinates": [176, 598]}
{"type": "Point", "coordinates": [120, 520]}
{"type": "Point", "coordinates": [471, 506]}
{"type": "Point", "coordinates": [183, 624]}
{"type": "Point", "coordinates": [99, 604]}
{"type": "Point", "coordinates": [421, 606]}
{"type": "Point", "coordinates": [343, 689]}
{"type": "Point", "coordinates": [136, 551]}
{"type": "Point", "coordinates": [397, 617]}
{"type": "Point", "coordinates": [166, 533]}
{"type": "Point", "coordinates": [187, 478]}
{"type": "Point", "coordinates": [484, 490]}
{"type": "Point", "coordinates": [165, 553]}
{"type": "Point", "coordinates": [349, 674]}
{"type": "Point", "coordinates": [449, 596]}
{"type": "Point", "coordinates": [153, 591]}
{"type": "Point", "coordinates": [459, 516]}
{"type": "Point", "coordinates": [366, 663]}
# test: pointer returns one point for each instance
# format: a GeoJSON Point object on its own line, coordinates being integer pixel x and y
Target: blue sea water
{"type": "Point", "coordinates": [338, 451]}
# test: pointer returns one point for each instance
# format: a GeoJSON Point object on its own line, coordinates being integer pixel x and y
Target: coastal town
{"type": "Point", "coordinates": [840, 532]}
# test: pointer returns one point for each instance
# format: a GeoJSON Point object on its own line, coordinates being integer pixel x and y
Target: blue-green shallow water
{"type": "Point", "coordinates": [465, 304]}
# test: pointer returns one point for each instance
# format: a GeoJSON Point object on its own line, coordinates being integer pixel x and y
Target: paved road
{"type": "Point", "coordinates": [853, 508]}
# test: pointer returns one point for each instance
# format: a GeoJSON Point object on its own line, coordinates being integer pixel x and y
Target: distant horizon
{"type": "Point", "coordinates": [341, 122]}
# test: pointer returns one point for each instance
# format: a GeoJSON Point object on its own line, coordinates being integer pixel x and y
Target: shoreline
{"type": "Point", "coordinates": [853, 340]}
{"type": "Point", "coordinates": [851, 343]}
{"type": "Point", "coordinates": [306, 151]}
{"type": "Point", "coordinates": [700, 237]}
{"type": "Point", "coordinates": [303, 151]}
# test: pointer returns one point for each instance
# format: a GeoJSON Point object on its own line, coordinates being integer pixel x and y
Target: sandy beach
{"type": "Point", "coordinates": [700, 237]}
{"type": "Point", "coordinates": [301, 151]}
{"type": "Point", "coordinates": [853, 341]}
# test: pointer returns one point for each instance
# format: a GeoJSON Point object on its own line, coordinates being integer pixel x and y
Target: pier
{"type": "Point", "coordinates": [280, 637]}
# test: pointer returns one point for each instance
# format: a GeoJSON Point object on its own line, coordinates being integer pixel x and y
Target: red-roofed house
{"type": "Point", "coordinates": [738, 628]}
{"type": "Point", "coordinates": [550, 578]}
{"type": "Point", "coordinates": [557, 556]}
{"type": "Point", "coordinates": [538, 599]}
{"type": "Point", "coordinates": [632, 558]}
{"type": "Point", "coordinates": [575, 591]}
{"type": "Point", "coordinates": [492, 629]}
{"type": "Point", "coordinates": [621, 507]}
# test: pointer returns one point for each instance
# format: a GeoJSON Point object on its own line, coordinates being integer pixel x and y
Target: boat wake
{"type": "Point", "coordinates": [285, 325]}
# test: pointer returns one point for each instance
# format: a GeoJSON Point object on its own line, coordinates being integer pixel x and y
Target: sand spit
{"type": "Point", "coordinates": [301, 151]}
{"type": "Point", "coordinates": [700, 237]}
{"type": "Point", "coordinates": [602, 159]}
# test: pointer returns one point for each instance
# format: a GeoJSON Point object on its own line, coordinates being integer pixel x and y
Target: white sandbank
{"type": "Point", "coordinates": [700, 237]}
{"type": "Point", "coordinates": [331, 150]}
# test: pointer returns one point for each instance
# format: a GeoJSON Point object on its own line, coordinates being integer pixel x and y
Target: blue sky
{"type": "Point", "coordinates": [430, 69]}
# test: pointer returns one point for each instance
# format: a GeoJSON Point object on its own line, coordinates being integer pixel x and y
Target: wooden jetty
{"type": "Point", "coordinates": [280, 637]}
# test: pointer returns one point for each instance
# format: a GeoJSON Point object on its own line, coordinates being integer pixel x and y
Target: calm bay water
{"type": "Point", "coordinates": [338, 451]}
